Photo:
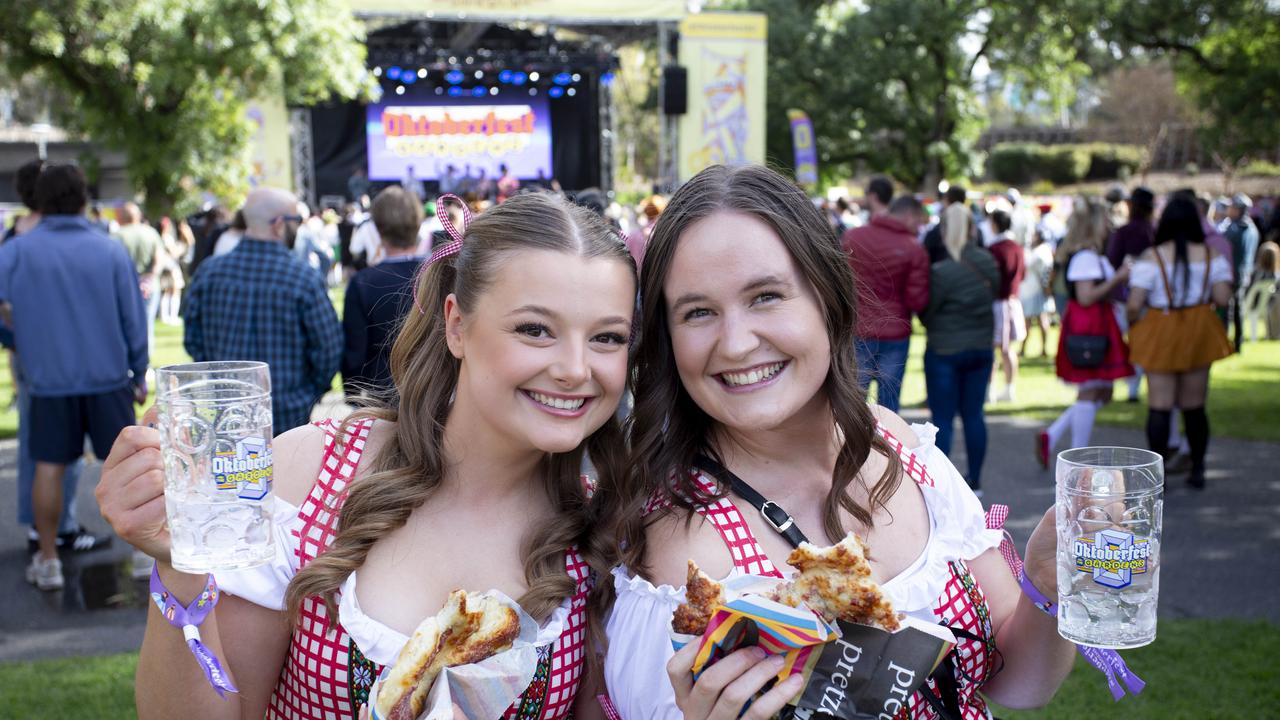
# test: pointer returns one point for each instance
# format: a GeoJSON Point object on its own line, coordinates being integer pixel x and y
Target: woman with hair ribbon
{"type": "Point", "coordinates": [507, 372]}
{"type": "Point", "coordinates": [746, 386]}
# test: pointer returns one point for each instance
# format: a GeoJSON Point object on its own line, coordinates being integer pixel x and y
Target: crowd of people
{"type": "Point", "coordinates": [981, 272]}
{"type": "Point", "coordinates": [490, 344]}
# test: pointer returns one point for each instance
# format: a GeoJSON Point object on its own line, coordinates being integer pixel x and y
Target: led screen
{"type": "Point", "coordinates": [455, 131]}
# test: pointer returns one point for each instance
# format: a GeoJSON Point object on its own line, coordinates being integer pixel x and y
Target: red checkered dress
{"type": "Point", "coordinates": [961, 605]}
{"type": "Point", "coordinates": [325, 677]}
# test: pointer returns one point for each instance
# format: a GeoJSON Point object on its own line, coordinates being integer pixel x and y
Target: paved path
{"type": "Point", "coordinates": [1219, 558]}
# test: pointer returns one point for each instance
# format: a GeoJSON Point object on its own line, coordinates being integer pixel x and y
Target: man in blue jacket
{"type": "Point", "coordinates": [71, 296]}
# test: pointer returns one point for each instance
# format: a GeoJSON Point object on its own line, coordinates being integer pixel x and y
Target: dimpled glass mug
{"type": "Point", "coordinates": [215, 436]}
{"type": "Point", "coordinates": [1109, 502]}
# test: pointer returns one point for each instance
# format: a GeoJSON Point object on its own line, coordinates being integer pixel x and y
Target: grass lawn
{"type": "Point", "coordinates": [1244, 391]}
{"type": "Point", "coordinates": [1196, 668]}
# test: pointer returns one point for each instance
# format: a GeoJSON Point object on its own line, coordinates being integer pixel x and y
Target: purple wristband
{"type": "Point", "coordinates": [1037, 598]}
{"type": "Point", "coordinates": [189, 618]}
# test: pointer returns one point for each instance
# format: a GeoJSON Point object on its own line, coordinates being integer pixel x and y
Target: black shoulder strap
{"type": "Point", "coordinates": [773, 513]}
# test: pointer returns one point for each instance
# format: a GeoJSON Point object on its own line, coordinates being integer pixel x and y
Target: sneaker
{"type": "Point", "coordinates": [45, 574]}
{"type": "Point", "coordinates": [1042, 449]}
{"type": "Point", "coordinates": [78, 540]}
{"type": "Point", "coordinates": [141, 565]}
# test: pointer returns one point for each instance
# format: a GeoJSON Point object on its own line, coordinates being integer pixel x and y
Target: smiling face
{"type": "Point", "coordinates": [750, 343]}
{"type": "Point", "coordinates": [544, 349]}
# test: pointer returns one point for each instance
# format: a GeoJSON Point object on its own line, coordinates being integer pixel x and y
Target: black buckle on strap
{"type": "Point", "coordinates": [776, 516]}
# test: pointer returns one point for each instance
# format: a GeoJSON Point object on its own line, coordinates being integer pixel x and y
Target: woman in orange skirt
{"type": "Point", "coordinates": [1175, 333]}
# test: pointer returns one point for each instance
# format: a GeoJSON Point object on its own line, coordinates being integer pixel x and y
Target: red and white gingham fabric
{"type": "Point", "coordinates": [314, 684]}
{"type": "Point", "coordinates": [961, 604]}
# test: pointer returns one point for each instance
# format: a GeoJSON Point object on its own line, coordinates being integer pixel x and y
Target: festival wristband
{"type": "Point", "coordinates": [1105, 660]}
{"type": "Point", "coordinates": [1037, 598]}
{"type": "Point", "coordinates": [188, 619]}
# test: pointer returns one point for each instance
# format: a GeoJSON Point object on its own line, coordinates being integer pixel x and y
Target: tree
{"type": "Point", "coordinates": [892, 85]}
{"type": "Point", "coordinates": [167, 81]}
{"type": "Point", "coordinates": [1226, 60]}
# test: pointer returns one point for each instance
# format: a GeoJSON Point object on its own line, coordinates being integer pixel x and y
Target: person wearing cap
{"type": "Point", "coordinates": [1242, 233]}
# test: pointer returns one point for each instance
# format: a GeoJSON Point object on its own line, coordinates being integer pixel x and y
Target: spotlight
{"type": "Point", "coordinates": [453, 60]}
{"type": "Point", "coordinates": [555, 92]}
{"type": "Point", "coordinates": [408, 78]}
{"type": "Point", "coordinates": [470, 60]}
{"type": "Point", "coordinates": [563, 78]}
{"type": "Point", "coordinates": [606, 79]}
{"type": "Point", "coordinates": [479, 74]}
{"type": "Point", "coordinates": [493, 90]}
{"type": "Point", "coordinates": [571, 92]}
{"type": "Point", "coordinates": [519, 78]}
{"type": "Point", "coordinates": [455, 91]}
{"type": "Point", "coordinates": [533, 91]}
{"type": "Point", "coordinates": [393, 72]}
{"type": "Point", "coordinates": [422, 72]}
{"type": "Point", "coordinates": [505, 76]}
{"type": "Point", "coordinates": [576, 77]}
{"type": "Point", "coordinates": [478, 91]}
{"type": "Point", "coordinates": [439, 90]}
{"type": "Point", "coordinates": [399, 89]}
{"type": "Point", "coordinates": [454, 77]}
{"type": "Point", "coordinates": [377, 71]}
{"type": "Point", "coordinates": [533, 76]}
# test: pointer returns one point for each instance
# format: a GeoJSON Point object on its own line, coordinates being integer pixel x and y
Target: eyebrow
{"type": "Point", "coordinates": [553, 315]}
{"type": "Point", "coordinates": [756, 284]}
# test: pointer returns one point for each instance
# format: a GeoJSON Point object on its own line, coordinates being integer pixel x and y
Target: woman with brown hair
{"type": "Point", "coordinates": [747, 376]}
{"type": "Point", "coordinates": [507, 372]}
{"type": "Point", "coordinates": [1176, 333]}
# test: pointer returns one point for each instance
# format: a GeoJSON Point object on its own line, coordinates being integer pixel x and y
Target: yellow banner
{"type": "Point", "coordinates": [269, 145]}
{"type": "Point", "coordinates": [563, 10]}
{"type": "Point", "coordinates": [725, 56]}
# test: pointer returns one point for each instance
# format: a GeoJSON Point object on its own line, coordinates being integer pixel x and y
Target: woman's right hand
{"type": "Point", "coordinates": [723, 689]}
{"type": "Point", "coordinates": [131, 491]}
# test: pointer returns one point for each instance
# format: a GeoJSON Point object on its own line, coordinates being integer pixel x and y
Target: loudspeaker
{"type": "Point", "coordinates": [675, 89]}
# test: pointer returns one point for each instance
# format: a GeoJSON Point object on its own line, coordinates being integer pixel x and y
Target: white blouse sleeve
{"type": "Point", "coordinates": [1219, 271]}
{"type": "Point", "coordinates": [265, 585]}
{"type": "Point", "coordinates": [1144, 275]}
{"type": "Point", "coordinates": [957, 531]}
{"type": "Point", "coordinates": [635, 668]}
{"type": "Point", "coordinates": [1088, 265]}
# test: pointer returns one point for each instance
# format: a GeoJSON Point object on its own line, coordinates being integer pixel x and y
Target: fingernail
{"type": "Point", "coordinates": [778, 661]}
{"type": "Point", "coordinates": [759, 652]}
{"type": "Point", "coordinates": [793, 683]}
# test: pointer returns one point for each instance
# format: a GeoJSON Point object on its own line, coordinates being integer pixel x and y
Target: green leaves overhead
{"type": "Point", "coordinates": [167, 81]}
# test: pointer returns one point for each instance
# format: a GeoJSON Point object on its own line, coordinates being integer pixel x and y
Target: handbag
{"type": "Point", "coordinates": [1087, 351]}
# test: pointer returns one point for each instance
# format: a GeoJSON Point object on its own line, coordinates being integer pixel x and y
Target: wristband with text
{"type": "Point", "coordinates": [189, 618]}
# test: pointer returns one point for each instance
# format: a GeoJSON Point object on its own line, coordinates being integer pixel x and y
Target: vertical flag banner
{"type": "Point", "coordinates": [806, 151]}
{"type": "Point", "coordinates": [725, 57]}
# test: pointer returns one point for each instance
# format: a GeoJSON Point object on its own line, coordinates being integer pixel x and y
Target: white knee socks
{"type": "Point", "coordinates": [1082, 421]}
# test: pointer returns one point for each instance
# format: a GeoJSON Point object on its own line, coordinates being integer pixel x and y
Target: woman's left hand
{"type": "Point", "coordinates": [1041, 560]}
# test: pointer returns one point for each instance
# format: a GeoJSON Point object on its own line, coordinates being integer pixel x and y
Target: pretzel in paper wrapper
{"type": "Point", "coordinates": [482, 689]}
{"type": "Point", "coordinates": [852, 670]}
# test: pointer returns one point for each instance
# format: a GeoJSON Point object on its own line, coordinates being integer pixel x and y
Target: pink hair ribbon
{"type": "Point", "coordinates": [453, 247]}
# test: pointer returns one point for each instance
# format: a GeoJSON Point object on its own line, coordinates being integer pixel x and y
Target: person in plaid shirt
{"type": "Point", "coordinates": [259, 302]}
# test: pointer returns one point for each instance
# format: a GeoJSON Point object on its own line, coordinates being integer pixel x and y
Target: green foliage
{"type": "Point", "coordinates": [1109, 161]}
{"type": "Point", "coordinates": [1260, 168]}
{"type": "Point", "coordinates": [1022, 163]}
{"type": "Point", "coordinates": [167, 81]}
{"type": "Point", "coordinates": [890, 85]}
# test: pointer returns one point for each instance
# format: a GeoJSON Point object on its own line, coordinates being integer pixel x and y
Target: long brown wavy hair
{"type": "Point", "coordinates": [668, 429]}
{"type": "Point", "coordinates": [409, 468]}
